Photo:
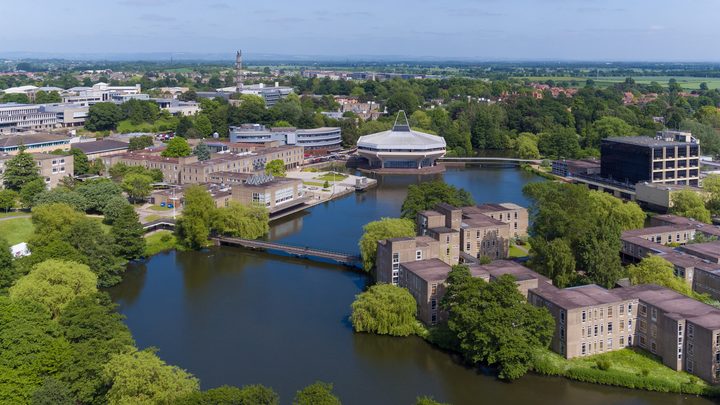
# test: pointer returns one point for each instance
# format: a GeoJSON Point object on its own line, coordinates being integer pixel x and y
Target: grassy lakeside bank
{"type": "Point", "coordinates": [161, 241]}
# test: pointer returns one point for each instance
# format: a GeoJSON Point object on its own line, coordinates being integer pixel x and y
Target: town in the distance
{"type": "Point", "coordinates": [561, 221]}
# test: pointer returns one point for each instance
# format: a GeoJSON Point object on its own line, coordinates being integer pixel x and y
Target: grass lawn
{"type": "Point", "coordinates": [160, 241]}
{"type": "Point", "coordinates": [159, 208]}
{"type": "Point", "coordinates": [632, 368]}
{"type": "Point", "coordinates": [330, 177]}
{"type": "Point", "coordinates": [313, 183]}
{"type": "Point", "coordinates": [16, 230]}
{"type": "Point", "coordinates": [4, 214]}
{"type": "Point", "coordinates": [516, 251]}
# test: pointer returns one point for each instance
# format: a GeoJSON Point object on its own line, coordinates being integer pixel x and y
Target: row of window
{"type": "Point", "coordinates": [593, 313]}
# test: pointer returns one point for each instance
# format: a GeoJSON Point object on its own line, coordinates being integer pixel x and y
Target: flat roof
{"type": "Point", "coordinates": [644, 141]}
{"type": "Point", "coordinates": [647, 244]}
{"type": "Point", "coordinates": [480, 221]}
{"type": "Point", "coordinates": [653, 230]}
{"type": "Point", "coordinates": [30, 139]}
{"type": "Point", "coordinates": [577, 297]}
{"type": "Point", "coordinates": [710, 249]}
{"type": "Point", "coordinates": [103, 145]}
{"type": "Point", "coordinates": [47, 156]}
{"type": "Point", "coordinates": [428, 270]}
{"type": "Point", "coordinates": [501, 267]}
{"type": "Point", "coordinates": [676, 305]}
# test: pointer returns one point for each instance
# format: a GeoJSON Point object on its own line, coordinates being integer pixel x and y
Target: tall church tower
{"type": "Point", "coordinates": [238, 72]}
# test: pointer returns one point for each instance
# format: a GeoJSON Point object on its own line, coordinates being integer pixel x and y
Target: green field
{"type": "Point", "coordinates": [16, 230]}
{"type": "Point", "coordinates": [160, 241]}
{"type": "Point", "coordinates": [687, 82]}
{"type": "Point", "coordinates": [331, 177]}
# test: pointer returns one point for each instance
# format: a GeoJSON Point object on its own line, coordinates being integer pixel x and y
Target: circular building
{"type": "Point", "coordinates": [401, 149]}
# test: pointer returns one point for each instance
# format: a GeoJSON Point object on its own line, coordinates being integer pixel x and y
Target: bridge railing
{"type": "Point", "coordinates": [283, 246]}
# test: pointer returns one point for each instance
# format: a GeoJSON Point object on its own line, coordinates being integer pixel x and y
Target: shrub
{"type": "Point", "coordinates": [603, 364]}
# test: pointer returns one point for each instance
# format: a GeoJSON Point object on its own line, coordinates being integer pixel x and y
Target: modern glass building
{"type": "Point", "coordinates": [643, 159]}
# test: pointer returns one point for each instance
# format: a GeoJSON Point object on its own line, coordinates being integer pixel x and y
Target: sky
{"type": "Point", "coordinates": [588, 30]}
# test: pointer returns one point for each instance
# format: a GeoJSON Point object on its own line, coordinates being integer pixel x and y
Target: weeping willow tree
{"type": "Point", "coordinates": [385, 228]}
{"type": "Point", "coordinates": [243, 221]}
{"type": "Point", "coordinates": [386, 310]}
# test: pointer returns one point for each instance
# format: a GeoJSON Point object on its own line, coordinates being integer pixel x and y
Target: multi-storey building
{"type": "Point", "coordinates": [22, 117]}
{"type": "Point", "coordinates": [315, 140]}
{"type": "Point", "coordinates": [509, 213]}
{"type": "Point", "coordinates": [170, 167]}
{"type": "Point", "coordinates": [638, 159]}
{"type": "Point", "coordinates": [68, 114]}
{"type": "Point", "coordinates": [52, 168]}
{"type": "Point", "coordinates": [274, 193]}
{"type": "Point", "coordinates": [245, 162]}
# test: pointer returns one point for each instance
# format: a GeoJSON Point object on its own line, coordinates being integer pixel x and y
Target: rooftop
{"type": "Point", "coordinates": [643, 141]}
{"type": "Point", "coordinates": [30, 139]}
{"type": "Point", "coordinates": [402, 137]}
{"type": "Point", "coordinates": [577, 297]}
{"type": "Point", "coordinates": [429, 270]}
{"type": "Point", "coordinates": [654, 230]}
{"type": "Point", "coordinates": [104, 145]}
{"type": "Point", "coordinates": [501, 267]}
{"type": "Point", "coordinates": [709, 249]}
{"type": "Point", "coordinates": [676, 305]}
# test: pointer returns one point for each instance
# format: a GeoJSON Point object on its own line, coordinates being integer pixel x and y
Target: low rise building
{"type": "Point", "coordinates": [171, 168]}
{"type": "Point", "coordinates": [68, 114]}
{"type": "Point", "coordinates": [35, 143]}
{"type": "Point", "coordinates": [573, 168]}
{"type": "Point", "coordinates": [101, 148]}
{"type": "Point", "coordinates": [274, 193]}
{"type": "Point", "coordinates": [315, 140]}
{"type": "Point", "coordinates": [53, 168]}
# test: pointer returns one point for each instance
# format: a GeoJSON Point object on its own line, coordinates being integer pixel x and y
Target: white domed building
{"type": "Point", "coordinates": [401, 149]}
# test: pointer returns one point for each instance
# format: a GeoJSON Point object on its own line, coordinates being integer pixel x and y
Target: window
{"type": "Point", "coordinates": [562, 333]}
{"type": "Point", "coordinates": [653, 313]}
{"type": "Point", "coordinates": [609, 312]}
{"type": "Point", "coordinates": [433, 319]}
{"type": "Point", "coordinates": [622, 325]}
{"type": "Point", "coordinates": [433, 289]}
{"type": "Point", "coordinates": [621, 309]}
{"type": "Point", "coordinates": [653, 331]}
{"type": "Point", "coordinates": [642, 325]}
{"type": "Point", "coordinates": [609, 328]}
{"type": "Point", "coordinates": [601, 345]}
{"type": "Point", "coordinates": [433, 304]}
{"type": "Point", "coordinates": [630, 308]}
{"type": "Point", "coordinates": [642, 340]}
{"type": "Point", "coordinates": [596, 330]}
{"type": "Point", "coordinates": [643, 310]}
{"type": "Point", "coordinates": [609, 344]}
{"type": "Point", "coordinates": [690, 330]}
{"type": "Point", "coordinates": [583, 316]}
{"type": "Point", "coordinates": [582, 349]}
{"type": "Point", "coordinates": [653, 346]}
{"type": "Point", "coordinates": [621, 341]}
{"type": "Point", "coordinates": [601, 312]}
{"type": "Point", "coordinates": [418, 255]}
{"type": "Point", "coordinates": [562, 318]}
{"type": "Point", "coordinates": [629, 324]}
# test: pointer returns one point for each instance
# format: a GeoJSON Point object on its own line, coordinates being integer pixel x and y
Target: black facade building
{"type": "Point", "coordinates": [638, 159]}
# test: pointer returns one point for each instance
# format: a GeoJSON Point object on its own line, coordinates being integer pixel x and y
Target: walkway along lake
{"type": "Point", "coordinates": [234, 316]}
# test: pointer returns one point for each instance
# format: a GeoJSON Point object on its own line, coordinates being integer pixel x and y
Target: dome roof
{"type": "Point", "coordinates": [401, 137]}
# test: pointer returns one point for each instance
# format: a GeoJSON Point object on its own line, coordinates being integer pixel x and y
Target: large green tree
{"type": "Point", "coordinates": [103, 117]}
{"type": "Point", "coordinates": [242, 221]}
{"type": "Point", "coordinates": [276, 168]}
{"type": "Point", "coordinates": [140, 142]}
{"type": "Point", "coordinates": [319, 393]}
{"type": "Point", "coordinates": [8, 199]}
{"type": "Point", "coordinates": [494, 322]}
{"type": "Point", "coordinates": [427, 195]}
{"type": "Point", "coordinates": [54, 283]}
{"type": "Point", "coordinates": [7, 267]}
{"type": "Point", "coordinates": [688, 203]}
{"type": "Point", "coordinates": [20, 170]}
{"type": "Point", "coordinates": [80, 162]}
{"type": "Point", "coordinates": [30, 191]}
{"type": "Point", "coordinates": [385, 309]}
{"type": "Point", "coordinates": [193, 227]}
{"type": "Point", "coordinates": [177, 147]}
{"type": "Point", "coordinates": [226, 395]}
{"type": "Point", "coordinates": [128, 234]}
{"type": "Point", "coordinates": [140, 377]}
{"type": "Point", "coordinates": [375, 231]}
{"type": "Point", "coordinates": [657, 270]}
{"type": "Point", "coordinates": [137, 186]}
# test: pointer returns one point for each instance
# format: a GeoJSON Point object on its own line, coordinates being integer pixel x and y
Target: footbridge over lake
{"type": "Point", "coordinates": [298, 251]}
{"type": "Point", "coordinates": [490, 160]}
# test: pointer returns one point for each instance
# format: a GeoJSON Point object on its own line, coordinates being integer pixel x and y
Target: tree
{"type": "Point", "coordinates": [428, 401]}
{"type": "Point", "coordinates": [687, 203]}
{"type": "Point", "coordinates": [140, 377]}
{"type": "Point", "coordinates": [30, 191]}
{"type": "Point", "coordinates": [20, 170]}
{"type": "Point", "coordinates": [559, 142]}
{"type": "Point", "coordinates": [97, 249]}
{"type": "Point", "coordinates": [319, 393]}
{"type": "Point", "coordinates": [527, 147]}
{"type": "Point", "coordinates": [43, 97]}
{"type": "Point", "coordinates": [241, 221]}
{"type": "Point", "coordinates": [138, 186]}
{"type": "Point", "coordinates": [54, 283]}
{"type": "Point", "coordinates": [711, 184]}
{"type": "Point", "coordinates": [494, 322]}
{"type": "Point", "coordinates": [183, 126]}
{"type": "Point", "coordinates": [624, 214]}
{"type": "Point", "coordinates": [140, 142]}
{"type": "Point", "coordinates": [52, 392]}
{"type": "Point", "coordinates": [61, 195]}
{"type": "Point", "coordinates": [16, 98]}
{"type": "Point", "coordinates": [275, 168]}
{"type": "Point", "coordinates": [427, 195]}
{"type": "Point", "coordinates": [128, 234]}
{"type": "Point", "coordinates": [202, 151]}
{"type": "Point", "coordinates": [656, 270]}
{"type": "Point", "coordinates": [385, 309]}
{"type": "Point", "coordinates": [96, 331]}
{"type": "Point", "coordinates": [402, 100]}
{"type": "Point", "coordinates": [226, 395]}
{"type": "Point", "coordinates": [203, 125]}
{"type": "Point", "coordinates": [114, 208]}
{"type": "Point", "coordinates": [8, 199]}
{"type": "Point", "coordinates": [607, 127]}
{"type": "Point", "coordinates": [555, 260]}
{"type": "Point", "coordinates": [7, 268]}
{"type": "Point", "coordinates": [177, 147]}
{"type": "Point", "coordinates": [103, 117]}
{"type": "Point", "coordinates": [32, 349]}
{"type": "Point", "coordinates": [380, 230]}
{"type": "Point", "coordinates": [193, 227]}
{"type": "Point", "coordinates": [98, 193]}
{"type": "Point", "coordinates": [80, 162]}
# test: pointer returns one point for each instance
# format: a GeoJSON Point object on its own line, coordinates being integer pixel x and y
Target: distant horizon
{"type": "Point", "coordinates": [469, 30]}
{"type": "Point", "coordinates": [248, 57]}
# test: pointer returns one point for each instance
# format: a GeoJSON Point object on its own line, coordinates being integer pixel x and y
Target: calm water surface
{"type": "Point", "coordinates": [237, 317]}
